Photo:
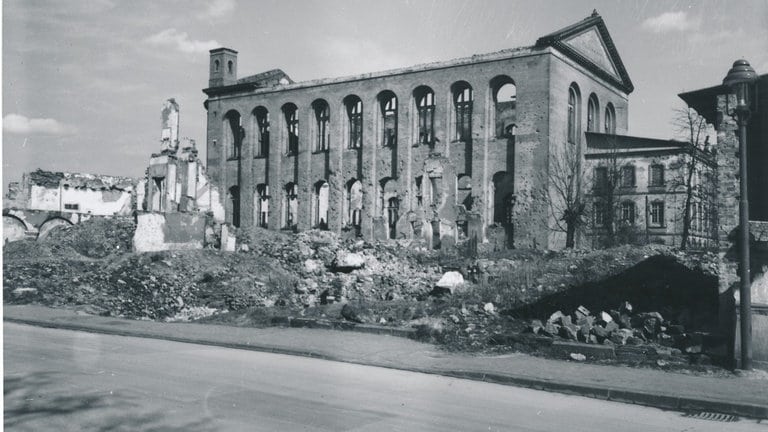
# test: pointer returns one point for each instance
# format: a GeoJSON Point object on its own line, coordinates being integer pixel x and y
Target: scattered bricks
{"type": "Point", "coordinates": [536, 326]}
{"type": "Point", "coordinates": [580, 313]}
{"type": "Point", "coordinates": [550, 329]}
{"type": "Point", "coordinates": [625, 321]}
{"type": "Point", "coordinates": [600, 333]}
{"type": "Point", "coordinates": [605, 318]}
{"type": "Point", "coordinates": [585, 320]}
{"type": "Point", "coordinates": [611, 327]}
{"type": "Point", "coordinates": [555, 317]}
{"type": "Point", "coordinates": [584, 332]}
{"type": "Point", "coordinates": [633, 340]}
{"type": "Point", "coordinates": [620, 336]}
{"type": "Point", "coordinates": [568, 332]}
{"type": "Point", "coordinates": [593, 352]}
{"type": "Point", "coordinates": [625, 308]}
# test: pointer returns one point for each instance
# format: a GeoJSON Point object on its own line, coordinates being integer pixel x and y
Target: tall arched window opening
{"type": "Point", "coordinates": [322, 125]}
{"type": "Point", "coordinates": [355, 119]}
{"type": "Point", "coordinates": [261, 120]}
{"type": "Point", "coordinates": [233, 134]}
{"type": "Point", "coordinates": [610, 119]}
{"type": "Point", "coordinates": [292, 129]}
{"type": "Point", "coordinates": [262, 205]}
{"type": "Point", "coordinates": [462, 102]}
{"type": "Point", "coordinates": [504, 106]}
{"type": "Point", "coordinates": [593, 114]}
{"type": "Point", "coordinates": [573, 114]}
{"type": "Point", "coordinates": [388, 102]}
{"type": "Point", "coordinates": [425, 119]}
{"type": "Point", "coordinates": [234, 200]}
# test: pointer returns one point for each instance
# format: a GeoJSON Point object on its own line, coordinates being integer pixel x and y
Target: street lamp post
{"type": "Point", "coordinates": [739, 80]}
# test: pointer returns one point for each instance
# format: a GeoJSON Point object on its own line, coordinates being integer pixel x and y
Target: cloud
{"type": "Point", "coordinates": [19, 124]}
{"type": "Point", "coordinates": [181, 42]}
{"type": "Point", "coordinates": [218, 9]}
{"type": "Point", "coordinates": [671, 22]}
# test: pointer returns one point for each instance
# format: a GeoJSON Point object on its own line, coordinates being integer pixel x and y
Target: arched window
{"type": "Point", "coordinates": [234, 199]}
{"type": "Point", "coordinates": [322, 125]}
{"type": "Point", "coordinates": [292, 129]}
{"type": "Point", "coordinates": [216, 65]}
{"type": "Point", "coordinates": [230, 66]}
{"type": "Point", "coordinates": [262, 205]}
{"type": "Point", "coordinates": [505, 105]}
{"type": "Point", "coordinates": [233, 134]}
{"type": "Point", "coordinates": [291, 206]}
{"type": "Point", "coordinates": [354, 203]}
{"type": "Point", "coordinates": [573, 114]}
{"type": "Point", "coordinates": [462, 103]}
{"type": "Point", "coordinates": [610, 119]}
{"type": "Point", "coordinates": [388, 106]}
{"type": "Point", "coordinates": [425, 120]}
{"type": "Point", "coordinates": [261, 123]}
{"type": "Point", "coordinates": [320, 205]}
{"type": "Point", "coordinates": [355, 121]}
{"type": "Point", "coordinates": [593, 114]}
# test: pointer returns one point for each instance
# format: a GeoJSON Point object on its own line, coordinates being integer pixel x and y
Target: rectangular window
{"type": "Point", "coordinates": [656, 176]}
{"type": "Point", "coordinates": [628, 176]}
{"type": "Point", "coordinates": [657, 213]}
{"type": "Point", "coordinates": [628, 212]}
{"type": "Point", "coordinates": [601, 178]}
{"type": "Point", "coordinates": [599, 210]}
{"type": "Point", "coordinates": [71, 206]}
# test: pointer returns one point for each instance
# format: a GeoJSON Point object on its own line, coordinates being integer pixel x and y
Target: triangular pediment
{"type": "Point", "coordinates": [589, 44]}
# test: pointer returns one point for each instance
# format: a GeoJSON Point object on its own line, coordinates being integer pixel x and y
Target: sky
{"type": "Point", "coordinates": [84, 81]}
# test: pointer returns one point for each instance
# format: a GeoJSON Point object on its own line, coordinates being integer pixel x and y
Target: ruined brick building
{"type": "Point", "coordinates": [436, 151]}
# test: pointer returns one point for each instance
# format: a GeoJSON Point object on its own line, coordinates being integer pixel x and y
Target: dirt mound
{"type": "Point", "coordinates": [96, 237]}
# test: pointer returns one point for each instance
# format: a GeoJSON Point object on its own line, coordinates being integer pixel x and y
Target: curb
{"type": "Point", "coordinates": [616, 395]}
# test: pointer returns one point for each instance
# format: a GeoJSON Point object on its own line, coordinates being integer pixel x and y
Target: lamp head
{"type": "Point", "coordinates": [739, 80]}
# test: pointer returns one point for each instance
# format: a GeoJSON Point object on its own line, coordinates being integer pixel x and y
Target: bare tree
{"type": "Point", "coordinates": [606, 178]}
{"type": "Point", "coordinates": [692, 127]}
{"type": "Point", "coordinates": [566, 193]}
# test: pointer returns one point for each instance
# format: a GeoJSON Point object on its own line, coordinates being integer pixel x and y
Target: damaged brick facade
{"type": "Point", "coordinates": [437, 151]}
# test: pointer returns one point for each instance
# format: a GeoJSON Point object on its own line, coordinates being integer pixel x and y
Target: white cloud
{"type": "Point", "coordinates": [671, 22]}
{"type": "Point", "coordinates": [181, 42]}
{"type": "Point", "coordinates": [19, 124]}
{"type": "Point", "coordinates": [218, 9]}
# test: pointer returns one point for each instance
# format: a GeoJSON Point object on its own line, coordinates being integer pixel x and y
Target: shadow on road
{"type": "Point", "coordinates": [31, 404]}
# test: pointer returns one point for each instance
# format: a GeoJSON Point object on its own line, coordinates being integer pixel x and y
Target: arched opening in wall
{"type": "Point", "coordinates": [593, 114]}
{"type": "Point", "coordinates": [388, 118]}
{"type": "Point", "coordinates": [233, 134]}
{"type": "Point", "coordinates": [390, 204]}
{"type": "Point", "coordinates": [320, 205]}
{"type": "Point", "coordinates": [233, 196]}
{"type": "Point", "coordinates": [503, 190]}
{"type": "Point", "coordinates": [261, 201]}
{"type": "Point", "coordinates": [50, 225]}
{"type": "Point", "coordinates": [504, 112]}
{"type": "Point", "coordinates": [464, 191]}
{"type": "Point", "coordinates": [13, 229]}
{"type": "Point", "coordinates": [260, 124]}
{"type": "Point", "coordinates": [610, 119]}
{"type": "Point", "coordinates": [462, 111]}
{"type": "Point", "coordinates": [216, 65]}
{"type": "Point", "coordinates": [393, 213]}
{"type": "Point", "coordinates": [322, 130]}
{"type": "Point", "coordinates": [424, 126]}
{"type": "Point", "coordinates": [418, 187]}
{"type": "Point", "coordinates": [354, 107]}
{"type": "Point", "coordinates": [574, 114]}
{"type": "Point", "coordinates": [354, 204]}
{"type": "Point", "coordinates": [290, 113]}
{"type": "Point", "coordinates": [290, 206]}
{"type": "Point", "coordinates": [230, 67]}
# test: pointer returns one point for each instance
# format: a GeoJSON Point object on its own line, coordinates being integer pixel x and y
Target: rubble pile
{"type": "Point", "coordinates": [618, 327]}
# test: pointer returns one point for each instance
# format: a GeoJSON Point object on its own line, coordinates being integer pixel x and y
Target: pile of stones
{"type": "Point", "coordinates": [621, 326]}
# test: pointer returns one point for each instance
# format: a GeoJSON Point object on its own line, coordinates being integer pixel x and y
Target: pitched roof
{"type": "Point", "coordinates": [588, 43]}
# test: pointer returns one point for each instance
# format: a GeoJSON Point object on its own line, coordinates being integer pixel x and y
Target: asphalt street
{"type": "Point", "coordinates": [66, 380]}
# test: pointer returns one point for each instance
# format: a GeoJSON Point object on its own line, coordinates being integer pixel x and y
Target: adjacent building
{"type": "Point", "coordinates": [438, 151]}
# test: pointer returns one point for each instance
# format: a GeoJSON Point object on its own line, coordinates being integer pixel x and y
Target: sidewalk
{"type": "Point", "coordinates": [744, 396]}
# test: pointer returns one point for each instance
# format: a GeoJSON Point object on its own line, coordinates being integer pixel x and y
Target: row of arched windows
{"type": "Point", "coordinates": [423, 122]}
{"type": "Point", "coordinates": [593, 115]}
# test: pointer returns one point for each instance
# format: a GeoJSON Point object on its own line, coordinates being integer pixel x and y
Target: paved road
{"type": "Point", "coordinates": [65, 380]}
